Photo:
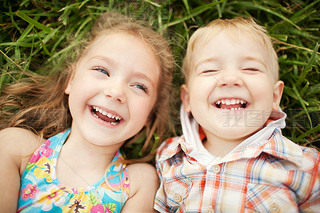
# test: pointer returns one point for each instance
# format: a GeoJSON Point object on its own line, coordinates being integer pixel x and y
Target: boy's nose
{"type": "Point", "coordinates": [115, 91]}
{"type": "Point", "coordinates": [230, 79]}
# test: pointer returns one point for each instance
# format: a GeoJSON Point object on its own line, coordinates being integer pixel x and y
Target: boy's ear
{"type": "Point", "coordinates": [185, 98]}
{"type": "Point", "coordinates": [68, 88]}
{"type": "Point", "coordinates": [277, 94]}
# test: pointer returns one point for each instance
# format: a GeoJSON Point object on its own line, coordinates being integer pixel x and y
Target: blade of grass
{"type": "Point", "coordinates": [303, 103]}
{"type": "Point", "coordinates": [194, 12]}
{"type": "Point", "coordinates": [307, 133]}
{"type": "Point", "coordinates": [308, 68]}
{"type": "Point", "coordinates": [255, 6]}
{"type": "Point", "coordinates": [33, 22]}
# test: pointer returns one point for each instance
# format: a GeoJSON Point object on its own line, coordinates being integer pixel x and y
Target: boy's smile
{"type": "Point", "coordinates": [230, 91]}
{"type": "Point", "coordinates": [232, 104]}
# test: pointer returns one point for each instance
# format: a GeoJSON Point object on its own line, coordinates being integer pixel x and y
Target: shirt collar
{"type": "Point", "coordinates": [268, 140]}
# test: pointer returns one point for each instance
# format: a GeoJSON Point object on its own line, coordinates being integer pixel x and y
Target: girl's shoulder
{"type": "Point", "coordinates": [18, 144]}
{"type": "Point", "coordinates": [144, 183]}
{"type": "Point", "coordinates": [142, 172]}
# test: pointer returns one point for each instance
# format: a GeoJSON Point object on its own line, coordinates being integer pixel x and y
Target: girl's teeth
{"type": "Point", "coordinates": [107, 114]}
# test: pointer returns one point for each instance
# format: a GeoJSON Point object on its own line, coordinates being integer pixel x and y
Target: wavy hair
{"type": "Point", "coordinates": [39, 103]}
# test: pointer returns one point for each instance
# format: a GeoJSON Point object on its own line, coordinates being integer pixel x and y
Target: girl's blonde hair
{"type": "Point", "coordinates": [39, 103]}
{"type": "Point", "coordinates": [235, 27]}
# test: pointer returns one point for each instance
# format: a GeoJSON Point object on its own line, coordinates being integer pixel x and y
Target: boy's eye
{"type": "Point", "coordinates": [251, 69]}
{"type": "Point", "coordinates": [141, 87]}
{"type": "Point", "coordinates": [102, 70]}
{"type": "Point", "coordinates": [209, 71]}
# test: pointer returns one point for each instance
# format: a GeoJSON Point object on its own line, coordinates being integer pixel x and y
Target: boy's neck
{"type": "Point", "coordinates": [218, 147]}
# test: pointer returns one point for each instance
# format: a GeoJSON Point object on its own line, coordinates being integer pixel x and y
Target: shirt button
{"type": "Point", "coordinates": [177, 198]}
{"type": "Point", "coordinates": [209, 210]}
{"type": "Point", "coordinates": [216, 169]}
{"type": "Point", "coordinates": [183, 147]}
{"type": "Point", "coordinates": [275, 208]}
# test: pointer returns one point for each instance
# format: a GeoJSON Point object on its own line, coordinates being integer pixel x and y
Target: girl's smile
{"type": "Point", "coordinates": [113, 90]}
{"type": "Point", "coordinates": [106, 116]}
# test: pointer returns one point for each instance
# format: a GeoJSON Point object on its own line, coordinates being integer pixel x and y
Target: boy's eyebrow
{"type": "Point", "coordinates": [211, 59]}
{"type": "Point", "coordinates": [248, 58]}
{"type": "Point", "coordinates": [252, 58]}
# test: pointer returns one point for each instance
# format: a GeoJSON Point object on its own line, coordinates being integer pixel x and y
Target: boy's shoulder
{"type": "Point", "coordinates": [310, 158]}
{"type": "Point", "coordinates": [305, 157]}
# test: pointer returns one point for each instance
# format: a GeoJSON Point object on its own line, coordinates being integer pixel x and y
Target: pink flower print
{"type": "Point", "coordinates": [29, 192]}
{"type": "Point", "coordinates": [100, 209]}
{"type": "Point", "coordinates": [97, 209]}
{"type": "Point", "coordinates": [43, 150]}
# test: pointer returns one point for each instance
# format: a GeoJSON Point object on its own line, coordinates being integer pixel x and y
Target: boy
{"type": "Point", "coordinates": [232, 156]}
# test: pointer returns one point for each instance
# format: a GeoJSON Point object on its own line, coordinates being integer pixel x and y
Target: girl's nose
{"type": "Point", "coordinates": [115, 91]}
{"type": "Point", "coordinates": [230, 79]}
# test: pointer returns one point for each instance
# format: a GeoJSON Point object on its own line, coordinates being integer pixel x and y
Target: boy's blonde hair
{"type": "Point", "coordinates": [39, 103]}
{"type": "Point", "coordinates": [236, 26]}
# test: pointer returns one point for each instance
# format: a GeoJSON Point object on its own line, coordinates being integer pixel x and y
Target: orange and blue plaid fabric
{"type": "Point", "coordinates": [274, 175]}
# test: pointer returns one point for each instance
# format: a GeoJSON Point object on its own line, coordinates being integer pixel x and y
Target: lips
{"type": "Point", "coordinates": [106, 116]}
{"type": "Point", "coordinates": [231, 104]}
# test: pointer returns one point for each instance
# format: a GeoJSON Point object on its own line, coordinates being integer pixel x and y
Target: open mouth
{"type": "Point", "coordinates": [231, 104]}
{"type": "Point", "coordinates": [105, 116]}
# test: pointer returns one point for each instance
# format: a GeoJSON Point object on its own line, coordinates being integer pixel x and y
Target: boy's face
{"type": "Point", "coordinates": [230, 92]}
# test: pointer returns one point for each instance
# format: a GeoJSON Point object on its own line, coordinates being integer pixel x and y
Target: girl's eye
{"type": "Point", "coordinates": [102, 70]}
{"type": "Point", "coordinates": [141, 87]}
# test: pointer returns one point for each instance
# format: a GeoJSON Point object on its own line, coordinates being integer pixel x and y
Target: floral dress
{"type": "Point", "coordinates": [41, 191]}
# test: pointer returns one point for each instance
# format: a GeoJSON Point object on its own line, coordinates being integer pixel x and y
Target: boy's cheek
{"type": "Point", "coordinates": [185, 98]}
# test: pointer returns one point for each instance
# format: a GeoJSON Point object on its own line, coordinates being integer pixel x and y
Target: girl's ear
{"type": "Point", "coordinates": [277, 94]}
{"type": "Point", "coordinates": [68, 88]}
{"type": "Point", "coordinates": [185, 98]}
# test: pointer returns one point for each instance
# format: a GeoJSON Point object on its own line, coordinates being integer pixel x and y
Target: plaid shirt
{"type": "Point", "coordinates": [274, 175]}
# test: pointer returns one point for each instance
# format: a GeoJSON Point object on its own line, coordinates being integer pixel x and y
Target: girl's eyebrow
{"type": "Point", "coordinates": [103, 58]}
{"type": "Point", "coordinates": [137, 74]}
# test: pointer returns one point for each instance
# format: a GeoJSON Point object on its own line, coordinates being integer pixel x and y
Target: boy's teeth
{"type": "Point", "coordinates": [231, 101]}
{"type": "Point", "coordinates": [231, 104]}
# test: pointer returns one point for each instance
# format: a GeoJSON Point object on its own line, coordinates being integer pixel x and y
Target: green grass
{"type": "Point", "coordinates": [37, 32]}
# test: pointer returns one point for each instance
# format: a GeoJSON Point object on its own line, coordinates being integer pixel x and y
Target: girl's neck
{"type": "Point", "coordinates": [81, 164]}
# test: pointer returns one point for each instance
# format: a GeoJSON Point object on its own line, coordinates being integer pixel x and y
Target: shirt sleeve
{"type": "Point", "coordinates": [312, 199]}
{"type": "Point", "coordinates": [160, 203]}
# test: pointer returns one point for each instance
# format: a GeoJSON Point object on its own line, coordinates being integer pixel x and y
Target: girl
{"type": "Point", "coordinates": [116, 88]}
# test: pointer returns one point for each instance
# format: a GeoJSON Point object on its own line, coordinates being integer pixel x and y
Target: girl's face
{"type": "Point", "coordinates": [113, 90]}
